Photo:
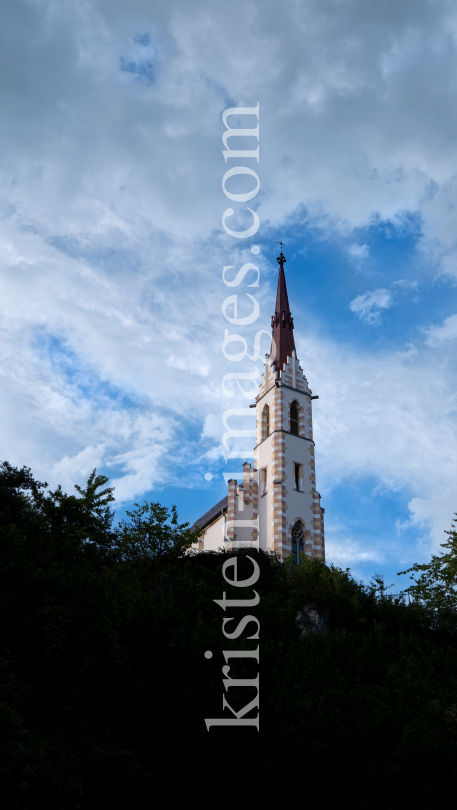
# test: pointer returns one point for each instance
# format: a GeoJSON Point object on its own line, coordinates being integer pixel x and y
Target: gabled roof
{"type": "Point", "coordinates": [212, 513]}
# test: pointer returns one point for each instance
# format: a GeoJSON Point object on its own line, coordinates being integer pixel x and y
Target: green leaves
{"type": "Point", "coordinates": [77, 525]}
{"type": "Point", "coordinates": [153, 532]}
{"type": "Point", "coordinates": [105, 629]}
{"type": "Point", "coordinates": [93, 500]}
{"type": "Point", "coordinates": [436, 586]}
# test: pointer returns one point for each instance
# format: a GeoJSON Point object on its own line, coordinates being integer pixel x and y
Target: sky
{"type": "Point", "coordinates": [113, 249]}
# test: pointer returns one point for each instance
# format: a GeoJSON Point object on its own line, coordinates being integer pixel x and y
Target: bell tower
{"type": "Point", "coordinates": [291, 520]}
{"type": "Point", "coordinates": [276, 506]}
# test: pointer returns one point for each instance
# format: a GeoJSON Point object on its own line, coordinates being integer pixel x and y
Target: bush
{"type": "Point", "coordinates": [105, 686]}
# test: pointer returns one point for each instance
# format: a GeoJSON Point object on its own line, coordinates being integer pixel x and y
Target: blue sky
{"type": "Point", "coordinates": [112, 249]}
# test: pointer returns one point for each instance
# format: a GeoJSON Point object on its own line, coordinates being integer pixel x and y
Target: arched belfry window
{"type": "Point", "coordinates": [266, 422]}
{"type": "Point", "coordinates": [294, 418]}
{"type": "Point", "coordinates": [298, 534]}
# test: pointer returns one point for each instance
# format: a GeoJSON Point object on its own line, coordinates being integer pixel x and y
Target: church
{"type": "Point", "coordinates": [276, 505]}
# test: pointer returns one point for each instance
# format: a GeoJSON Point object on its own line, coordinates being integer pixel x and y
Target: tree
{"type": "Point", "coordinates": [66, 525]}
{"type": "Point", "coordinates": [97, 665]}
{"type": "Point", "coordinates": [153, 532]}
{"type": "Point", "coordinates": [15, 488]}
{"type": "Point", "coordinates": [89, 517]}
{"type": "Point", "coordinates": [437, 585]}
{"type": "Point", "coordinates": [11, 478]}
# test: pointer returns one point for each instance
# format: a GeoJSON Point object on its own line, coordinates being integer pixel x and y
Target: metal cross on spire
{"type": "Point", "coordinates": [281, 258]}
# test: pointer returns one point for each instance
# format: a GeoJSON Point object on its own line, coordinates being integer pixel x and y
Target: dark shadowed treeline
{"type": "Point", "coordinates": [105, 687]}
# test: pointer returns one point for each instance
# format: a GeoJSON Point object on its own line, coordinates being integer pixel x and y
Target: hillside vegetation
{"type": "Point", "coordinates": [105, 687]}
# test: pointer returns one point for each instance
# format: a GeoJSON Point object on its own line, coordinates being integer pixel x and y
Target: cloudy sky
{"type": "Point", "coordinates": [112, 249]}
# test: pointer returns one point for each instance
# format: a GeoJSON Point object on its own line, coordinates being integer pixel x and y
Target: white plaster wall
{"type": "Point", "coordinates": [243, 512]}
{"type": "Point", "coordinates": [213, 538]}
{"type": "Point", "coordinates": [264, 510]}
{"type": "Point", "coordinates": [299, 504]}
{"type": "Point", "coordinates": [264, 458]}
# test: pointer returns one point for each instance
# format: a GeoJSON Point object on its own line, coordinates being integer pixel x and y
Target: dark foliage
{"type": "Point", "coordinates": [437, 583]}
{"type": "Point", "coordinates": [105, 687]}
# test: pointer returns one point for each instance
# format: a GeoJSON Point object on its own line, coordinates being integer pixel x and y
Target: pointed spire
{"type": "Point", "coordinates": [282, 322]}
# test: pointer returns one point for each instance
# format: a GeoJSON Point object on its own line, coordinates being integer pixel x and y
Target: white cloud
{"type": "Point", "coordinates": [405, 284]}
{"type": "Point", "coordinates": [428, 512]}
{"type": "Point", "coordinates": [359, 251]}
{"type": "Point", "coordinates": [345, 553]}
{"type": "Point", "coordinates": [116, 108]}
{"type": "Point", "coordinates": [369, 305]}
{"type": "Point", "coordinates": [437, 335]}
{"type": "Point", "coordinates": [375, 420]}
{"type": "Point", "coordinates": [212, 426]}
{"type": "Point", "coordinates": [110, 223]}
{"type": "Point", "coordinates": [71, 470]}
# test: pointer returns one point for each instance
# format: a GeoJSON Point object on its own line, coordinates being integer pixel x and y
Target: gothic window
{"type": "Point", "coordinates": [297, 542]}
{"type": "Point", "coordinates": [294, 418]}
{"type": "Point", "coordinates": [266, 422]}
{"type": "Point", "coordinates": [263, 480]}
{"type": "Point", "coordinates": [298, 477]}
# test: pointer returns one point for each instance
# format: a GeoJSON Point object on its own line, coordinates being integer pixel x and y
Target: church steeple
{"type": "Point", "coordinates": [282, 323]}
{"type": "Point", "coordinates": [276, 507]}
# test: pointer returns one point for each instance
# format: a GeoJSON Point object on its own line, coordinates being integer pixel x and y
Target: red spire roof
{"type": "Point", "coordinates": [282, 322]}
